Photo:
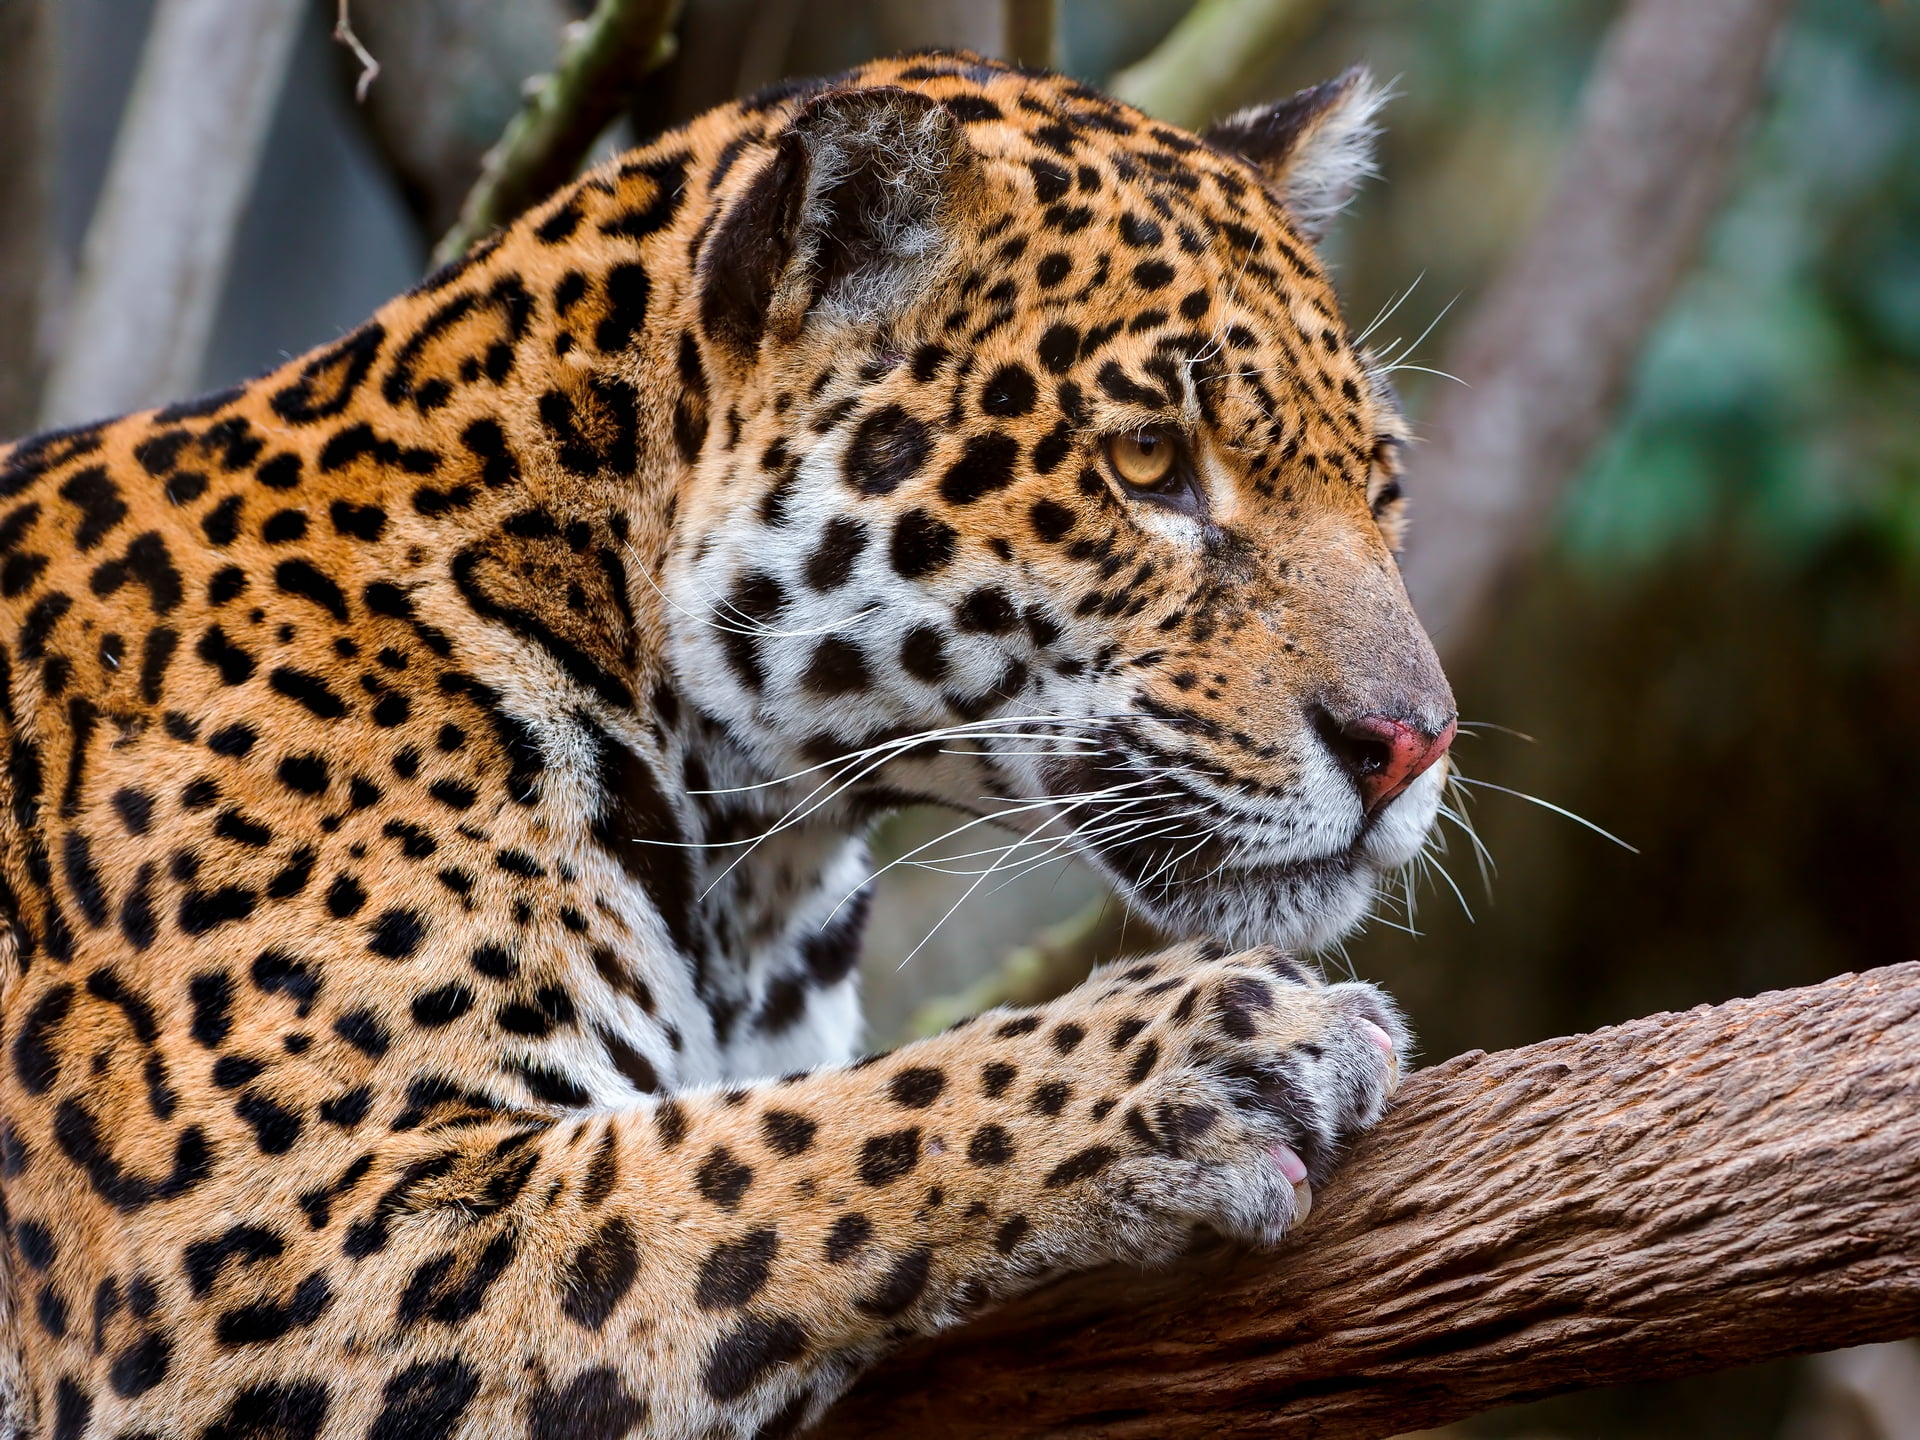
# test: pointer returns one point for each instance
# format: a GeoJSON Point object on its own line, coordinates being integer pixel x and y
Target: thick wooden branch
{"type": "Point", "coordinates": [1674, 1195]}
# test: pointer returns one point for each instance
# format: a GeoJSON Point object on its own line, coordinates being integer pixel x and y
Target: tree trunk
{"type": "Point", "coordinates": [959, 24]}
{"type": "Point", "coordinates": [1549, 349]}
{"type": "Point", "coordinates": [156, 252]}
{"type": "Point", "coordinates": [1674, 1195]}
{"type": "Point", "coordinates": [26, 73]}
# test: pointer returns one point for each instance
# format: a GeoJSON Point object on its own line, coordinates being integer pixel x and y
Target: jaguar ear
{"type": "Point", "coordinates": [1314, 147]}
{"type": "Point", "coordinates": [850, 218]}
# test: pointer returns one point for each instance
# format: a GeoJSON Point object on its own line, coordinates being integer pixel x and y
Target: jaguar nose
{"type": "Point", "coordinates": [1383, 754]}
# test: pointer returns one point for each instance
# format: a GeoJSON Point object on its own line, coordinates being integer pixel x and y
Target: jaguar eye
{"type": "Point", "coordinates": [1143, 459]}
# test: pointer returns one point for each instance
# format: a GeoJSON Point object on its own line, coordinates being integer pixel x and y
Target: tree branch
{"type": "Point", "coordinates": [612, 50]}
{"type": "Point", "coordinates": [1027, 27]}
{"type": "Point", "coordinates": [1550, 347]}
{"type": "Point", "coordinates": [1208, 59]}
{"type": "Point", "coordinates": [452, 79]}
{"type": "Point", "coordinates": [1677, 1194]}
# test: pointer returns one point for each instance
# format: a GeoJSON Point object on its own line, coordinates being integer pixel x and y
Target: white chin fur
{"type": "Point", "coordinates": [1294, 909]}
{"type": "Point", "coordinates": [1397, 837]}
{"type": "Point", "coordinates": [1304, 906]}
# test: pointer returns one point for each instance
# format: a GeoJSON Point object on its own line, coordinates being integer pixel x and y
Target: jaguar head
{"type": "Point", "coordinates": [1054, 487]}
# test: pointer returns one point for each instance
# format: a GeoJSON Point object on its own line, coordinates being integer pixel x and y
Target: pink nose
{"type": "Point", "coordinates": [1384, 755]}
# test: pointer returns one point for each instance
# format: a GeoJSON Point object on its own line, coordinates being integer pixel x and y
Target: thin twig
{"type": "Point", "coordinates": [369, 67]}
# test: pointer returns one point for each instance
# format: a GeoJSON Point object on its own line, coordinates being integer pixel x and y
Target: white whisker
{"type": "Point", "coordinates": [746, 625]}
{"type": "Point", "coordinates": [1066, 804]}
{"type": "Point", "coordinates": [970, 729]}
{"type": "Point", "coordinates": [1549, 805]}
{"type": "Point", "coordinates": [1386, 311]}
{"type": "Point", "coordinates": [829, 790]}
{"type": "Point", "coordinates": [1409, 349]}
{"type": "Point", "coordinates": [1424, 370]}
{"type": "Point", "coordinates": [946, 860]}
{"type": "Point", "coordinates": [1441, 870]}
{"type": "Point", "coordinates": [1472, 727]}
{"type": "Point", "coordinates": [961, 901]}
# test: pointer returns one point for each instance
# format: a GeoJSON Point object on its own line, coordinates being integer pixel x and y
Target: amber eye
{"type": "Point", "coordinates": [1142, 459]}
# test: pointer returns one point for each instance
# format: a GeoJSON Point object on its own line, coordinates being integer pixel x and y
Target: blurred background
{"type": "Point", "coordinates": [1712, 650]}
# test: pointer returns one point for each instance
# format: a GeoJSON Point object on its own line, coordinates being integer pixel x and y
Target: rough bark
{"type": "Point", "coordinates": [26, 67]}
{"type": "Point", "coordinates": [183, 164]}
{"type": "Point", "coordinates": [1548, 350]}
{"type": "Point", "coordinates": [1674, 1195]}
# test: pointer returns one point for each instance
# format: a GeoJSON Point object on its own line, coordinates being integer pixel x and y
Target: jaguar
{"type": "Point", "coordinates": [438, 773]}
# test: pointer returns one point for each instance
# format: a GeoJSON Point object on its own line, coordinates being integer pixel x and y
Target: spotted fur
{"type": "Point", "coordinates": [436, 772]}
